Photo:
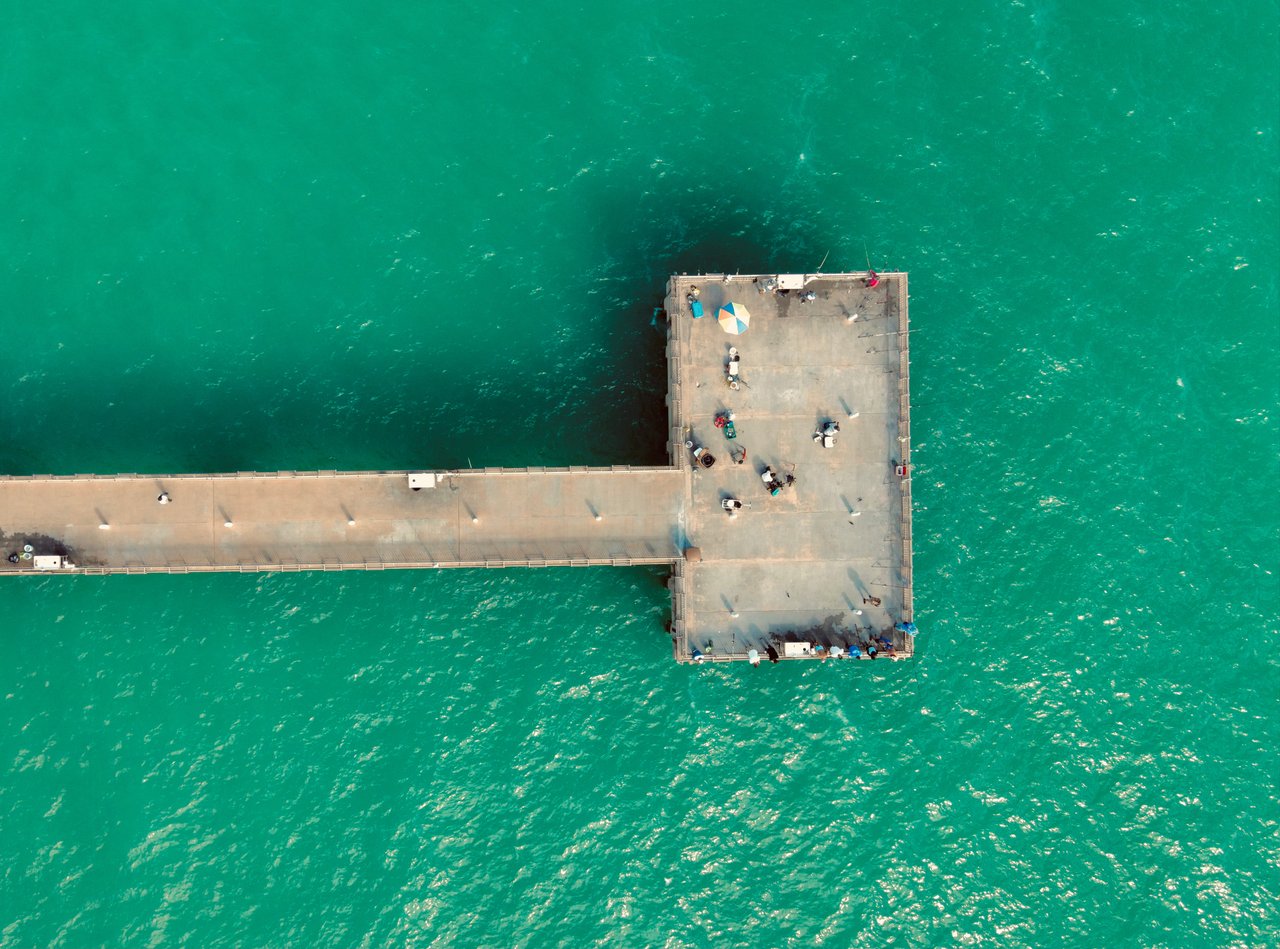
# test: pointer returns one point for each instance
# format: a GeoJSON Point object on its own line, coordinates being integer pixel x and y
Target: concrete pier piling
{"type": "Point", "coordinates": [814, 561]}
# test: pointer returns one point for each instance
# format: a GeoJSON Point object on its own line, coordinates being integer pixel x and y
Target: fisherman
{"type": "Point", "coordinates": [771, 482]}
{"type": "Point", "coordinates": [873, 278]}
{"type": "Point", "coordinates": [732, 370]}
{"type": "Point", "coordinates": [826, 436]}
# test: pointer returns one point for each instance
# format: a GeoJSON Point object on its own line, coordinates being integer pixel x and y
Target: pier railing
{"type": "Point", "coordinates": [904, 434]}
{"type": "Point", "coordinates": [337, 565]}
{"type": "Point", "coordinates": [678, 584]}
{"type": "Point", "coordinates": [675, 411]}
{"type": "Point", "coordinates": [233, 475]}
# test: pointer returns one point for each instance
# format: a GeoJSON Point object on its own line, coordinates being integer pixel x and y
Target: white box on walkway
{"type": "Point", "coordinates": [46, 562]}
{"type": "Point", "coordinates": [422, 479]}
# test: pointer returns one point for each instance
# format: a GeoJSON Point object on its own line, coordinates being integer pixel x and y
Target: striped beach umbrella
{"type": "Point", "coordinates": [734, 318]}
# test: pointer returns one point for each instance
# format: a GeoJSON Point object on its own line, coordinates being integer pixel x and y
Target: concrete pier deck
{"type": "Point", "coordinates": [824, 565]}
{"type": "Point", "coordinates": [345, 520]}
{"type": "Point", "coordinates": [810, 564]}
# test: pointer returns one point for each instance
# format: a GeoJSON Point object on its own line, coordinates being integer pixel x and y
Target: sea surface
{"type": "Point", "coordinates": [238, 235]}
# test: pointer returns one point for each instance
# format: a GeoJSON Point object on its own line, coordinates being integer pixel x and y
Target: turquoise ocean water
{"type": "Point", "coordinates": [317, 235]}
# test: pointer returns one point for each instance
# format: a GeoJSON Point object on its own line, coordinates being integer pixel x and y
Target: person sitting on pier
{"type": "Point", "coordinates": [826, 435]}
{"type": "Point", "coordinates": [724, 422]}
{"type": "Point", "coordinates": [873, 278]}
{"type": "Point", "coordinates": [733, 368]}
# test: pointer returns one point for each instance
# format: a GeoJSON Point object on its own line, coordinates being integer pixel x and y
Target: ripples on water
{"type": "Point", "coordinates": [483, 757]}
{"type": "Point", "coordinates": [303, 246]}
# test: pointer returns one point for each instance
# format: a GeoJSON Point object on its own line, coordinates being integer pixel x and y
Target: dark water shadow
{"type": "Point", "coordinates": [402, 413]}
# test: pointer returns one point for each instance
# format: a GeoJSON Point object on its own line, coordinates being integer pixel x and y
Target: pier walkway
{"type": "Point", "coordinates": [822, 566]}
{"type": "Point", "coordinates": [828, 560]}
{"type": "Point", "coordinates": [332, 520]}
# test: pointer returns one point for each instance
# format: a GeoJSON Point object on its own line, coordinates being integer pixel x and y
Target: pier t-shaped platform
{"type": "Point", "coordinates": [827, 560]}
{"type": "Point", "coordinates": [824, 561]}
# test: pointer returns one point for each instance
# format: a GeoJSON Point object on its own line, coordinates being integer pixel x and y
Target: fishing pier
{"type": "Point", "coordinates": [811, 563]}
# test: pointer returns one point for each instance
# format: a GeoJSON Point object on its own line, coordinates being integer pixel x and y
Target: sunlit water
{"type": "Point", "coordinates": [247, 236]}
